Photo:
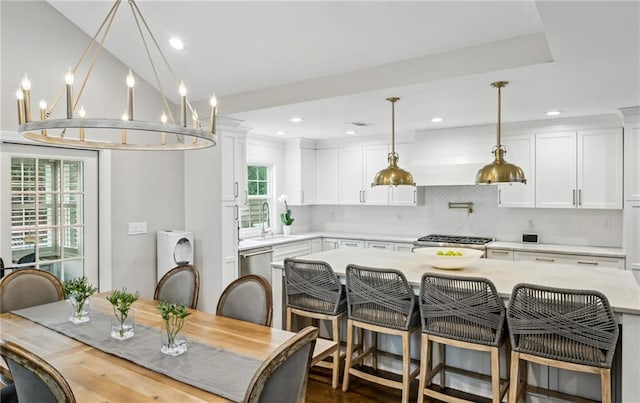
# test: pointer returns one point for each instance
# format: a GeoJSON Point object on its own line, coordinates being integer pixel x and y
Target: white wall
{"type": "Point", "coordinates": [562, 226]}
{"type": "Point", "coordinates": [145, 186]}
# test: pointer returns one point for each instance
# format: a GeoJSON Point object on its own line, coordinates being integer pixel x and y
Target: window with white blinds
{"type": "Point", "coordinates": [47, 206]}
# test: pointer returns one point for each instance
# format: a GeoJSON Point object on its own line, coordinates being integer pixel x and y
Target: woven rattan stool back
{"type": "Point", "coordinates": [313, 286]}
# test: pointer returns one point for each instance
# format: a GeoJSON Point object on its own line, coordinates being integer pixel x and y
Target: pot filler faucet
{"type": "Point", "coordinates": [265, 218]}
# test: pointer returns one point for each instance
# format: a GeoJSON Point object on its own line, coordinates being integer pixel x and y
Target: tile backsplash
{"type": "Point", "coordinates": [558, 226]}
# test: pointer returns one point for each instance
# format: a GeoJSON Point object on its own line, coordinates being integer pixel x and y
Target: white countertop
{"type": "Point", "coordinates": [619, 286]}
{"type": "Point", "coordinates": [566, 249]}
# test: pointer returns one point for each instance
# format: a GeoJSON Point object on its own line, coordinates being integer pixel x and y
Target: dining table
{"type": "Point", "coordinates": [95, 374]}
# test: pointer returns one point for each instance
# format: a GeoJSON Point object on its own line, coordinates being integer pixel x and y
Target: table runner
{"type": "Point", "coordinates": [213, 369]}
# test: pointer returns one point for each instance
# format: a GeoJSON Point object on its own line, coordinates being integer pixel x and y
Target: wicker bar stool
{"type": "Point", "coordinates": [463, 312]}
{"type": "Point", "coordinates": [380, 300]}
{"type": "Point", "coordinates": [568, 329]}
{"type": "Point", "coordinates": [313, 291]}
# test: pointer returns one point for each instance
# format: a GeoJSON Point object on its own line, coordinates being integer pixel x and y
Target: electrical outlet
{"type": "Point", "coordinates": [137, 228]}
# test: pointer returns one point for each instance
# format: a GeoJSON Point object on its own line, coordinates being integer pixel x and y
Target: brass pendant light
{"type": "Point", "coordinates": [500, 171]}
{"type": "Point", "coordinates": [393, 175]}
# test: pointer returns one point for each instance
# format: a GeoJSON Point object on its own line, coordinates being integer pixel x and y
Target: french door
{"type": "Point", "coordinates": [49, 210]}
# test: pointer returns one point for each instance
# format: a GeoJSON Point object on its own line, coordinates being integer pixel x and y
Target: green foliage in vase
{"type": "Point", "coordinates": [79, 289]}
{"type": "Point", "coordinates": [121, 300]}
{"type": "Point", "coordinates": [174, 316]}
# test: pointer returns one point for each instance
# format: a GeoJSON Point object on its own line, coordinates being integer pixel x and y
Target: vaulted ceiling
{"type": "Point", "coordinates": [334, 63]}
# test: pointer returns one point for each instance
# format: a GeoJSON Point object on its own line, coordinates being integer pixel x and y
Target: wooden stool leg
{"type": "Point", "coordinates": [336, 356]}
{"type": "Point", "coordinates": [347, 359]}
{"type": "Point", "coordinates": [443, 360]}
{"type": "Point", "coordinates": [605, 382]}
{"type": "Point", "coordinates": [406, 366]}
{"type": "Point", "coordinates": [360, 345]}
{"type": "Point", "coordinates": [425, 366]}
{"type": "Point", "coordinates": [514, 376]}
{"type": "Point", "coordinates": [289, 314]}
{"type": "Point", "coordinates": [495, 374]}
{"type": "Point", "coordinates": [374, 343]}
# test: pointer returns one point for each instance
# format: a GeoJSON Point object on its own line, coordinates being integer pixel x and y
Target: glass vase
{"type": "Point", "coordinates": [174, 337]}
{"type": "Point", "coordinates": [79, 311]}
{"type": "Point", "coordinates": [123, 326]}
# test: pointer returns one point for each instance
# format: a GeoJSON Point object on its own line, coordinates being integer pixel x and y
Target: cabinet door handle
{"type": "Point", "coordinates": [364, 196]}
{"type": "Point", "coordinates": [246, 197]}
{"type": "Point", "coordinates": [499, 252]}
{"type": "Point", "coordinates": [236, 212]}
{"type": "Point", "coordinates": [415, 196]}
{"type": "Point", "coordinates": [499, 196]}
{"type": "Point", "coordinates": [589, 263]}
{"type": "Point", "coordinates": [235, 189]}
{"type": "Point", "coordinates": [539, 259]}
{"type": "Point", "coordinates": [379, 246]}
{"type": "Point", "coordinates": [579, 197]}
{"type": "Point", "coordinates": [574, 197]}
{"type": "Point", "coordinates": [350, 244]}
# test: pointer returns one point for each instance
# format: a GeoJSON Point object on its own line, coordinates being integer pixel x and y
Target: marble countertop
{"type": "Point", "coordinates": [619, 286]}
{"type": "Point", "coordinates": [552, 248]}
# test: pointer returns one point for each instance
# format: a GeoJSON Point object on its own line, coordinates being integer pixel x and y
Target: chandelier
{"type": "Point", "coordinates": [78, 130]}
{"type": "Point", "coordinates": [393, 175]}
{"type": "Point", "coordinates": [500, 171]}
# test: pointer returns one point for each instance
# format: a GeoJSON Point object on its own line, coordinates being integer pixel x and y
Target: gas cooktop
{"type": "Point", "coordinates": [454, 239]}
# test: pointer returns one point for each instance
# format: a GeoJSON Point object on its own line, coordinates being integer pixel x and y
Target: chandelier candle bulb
{"type": "Point", "coordinates": [68, 79]}
{"type": "Point", "coordinates": [131, 82]}
{"type": "Point", "coordinates": [43, 114]}
{"type": "Point", "coordinates": [82, 113]}
{"type": "Point", "coordinates": [214, 111]}
{"type": "Point", "coordinates": [20, 96]}
{"type": "Point", "coordinates": [26, 90]}
{"type": "Point", "coordinates": [124, 131]}
{"type": "Point", "coordinates": [183, 104]}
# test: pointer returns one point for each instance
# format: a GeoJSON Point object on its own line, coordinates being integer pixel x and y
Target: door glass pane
{"type": "Point", "coordinates": [72, 237]}
{"type": "Point", "coordinates": [72, 209]}
{"type": "Point", "coordinates": [72, 268]}
{"type": "Point", "coordinates": [49, 247]}
{"type": "Point", "coordinates": [48, 209]}
{"type": "Point", "coordinates": [23, 246]}
{"type": "Point", "coordinates": [72, 176]}
{"type": "Point", "coordinates": [48, 175]}
{"type": "Point", "coordinates": [23, 174]}
{"type": "Point", "coordinates": [23, 210]}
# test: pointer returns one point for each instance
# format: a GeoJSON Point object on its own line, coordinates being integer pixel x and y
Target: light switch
{"type": "Point", "coordinates": [137, 228]}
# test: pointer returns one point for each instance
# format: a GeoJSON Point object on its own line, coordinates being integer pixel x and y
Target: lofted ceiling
{"type": "Point", "coordinates": [333, 63]}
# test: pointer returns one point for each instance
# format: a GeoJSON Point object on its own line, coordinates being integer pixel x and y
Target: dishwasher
{"type": "Point", "coordinates": [257, 261]}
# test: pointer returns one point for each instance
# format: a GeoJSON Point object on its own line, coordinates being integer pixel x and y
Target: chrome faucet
{"type": "Point", "coordinates": [265, 217]}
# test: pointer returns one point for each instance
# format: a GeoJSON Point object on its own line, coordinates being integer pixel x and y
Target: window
{"type": "Point", "coordinates": [256, 215]}
{"type": "Point", "coordinates": [47, 215]}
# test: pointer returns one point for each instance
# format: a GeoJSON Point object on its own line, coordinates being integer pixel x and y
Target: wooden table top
{"type": "Point", "coordinates": [97, 376]}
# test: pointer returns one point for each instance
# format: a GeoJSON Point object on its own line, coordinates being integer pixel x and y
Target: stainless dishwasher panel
{"type": "Point", "coordinates": [257, 261]}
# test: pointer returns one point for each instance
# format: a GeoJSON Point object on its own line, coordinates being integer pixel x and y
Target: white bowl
{"type": "Point", "coordinates": [430, 256]}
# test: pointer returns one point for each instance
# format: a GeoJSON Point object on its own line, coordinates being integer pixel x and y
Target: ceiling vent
{"type": "Point", "coordinates": [360, 124]}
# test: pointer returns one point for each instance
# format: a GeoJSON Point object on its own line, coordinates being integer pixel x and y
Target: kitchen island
{"type": "Point", "coordinates": [619, 286]}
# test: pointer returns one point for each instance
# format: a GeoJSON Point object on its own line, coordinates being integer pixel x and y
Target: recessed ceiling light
{"type": "Point", "coordinates": [281, 132]}
{"type": "Point", "coordinates": [350, 132]}
{"type": "Point", "coordinates": [176, 43]}
{"type": "Point", "coordinates": [360, 124]}
{"type": "Point", "coordinates": [437, 120]}
{"type": "Point", "coordinates": [553, 113]}
{"type": "Point", "coordinates": [295, 119]}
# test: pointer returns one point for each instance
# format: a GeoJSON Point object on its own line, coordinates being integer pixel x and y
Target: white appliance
{"type": "Point", "coordinates": [174, 247]}
{"type": "Point", "coordinates": [631, 217]}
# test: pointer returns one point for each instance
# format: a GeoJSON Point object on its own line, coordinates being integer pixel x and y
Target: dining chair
{"type": "Point", "coordinates": [247, 298]}
{"type": "Point", "coordinates": [463, 312]}
{"type": "Point", "coordinates": [283, 376]}
{"type": "Point", "coordinates": [380, 301]}
{"type": "Point", "coordinates": [569, 329]}
{"type": "Point", "coordinates": [24, 288]}
{"type": "Point", "coordinates": [313, 290]}
{"type": "Point", "coordinates": [180, 285]}
{"type": "Point", "coordinates": [35, 380]}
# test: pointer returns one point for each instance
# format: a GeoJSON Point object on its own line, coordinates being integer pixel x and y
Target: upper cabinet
{"type": "Point", "coordinates": [404, 195]}
{"type": "Point", "coordinates": [300, 168]}
{"type": "Point", "coordinates": [358, 166]}
{"type": "Point", "coordinates": [579, 169]}
{"type": "Point", "coordinates": [234, 167]}
{"type": "Point", "coordinates": [521, 152]}
{"type": "Point", "coordinates": [632, 164]}
{"type": "Point", "coordinates": [327, 175]}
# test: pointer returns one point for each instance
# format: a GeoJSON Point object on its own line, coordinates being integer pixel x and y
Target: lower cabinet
{"type": "Point", "coordinates": [378, 245]}
{"type": "Point", "coordinates": [351, 243]}
{"type": "Point", "coordinates": [500, 254]}
{"type": "Point", "coordinates": [555, 258]}
{"type": "Point", "coordinates": [293, 249]}
{"type": "Point", "coordinates": [402, 247]}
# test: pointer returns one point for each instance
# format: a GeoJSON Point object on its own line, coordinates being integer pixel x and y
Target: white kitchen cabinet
{"type": "Point", "coordinates": [351, 243]}
{"type": "Point", "coordinates": [300, 168]}
{"type": "Point", "coordinates": [632, 164]}
{"type": "Point", "coordinates": [579, 260]}
{"type": "Point", "coordinates": [330, 243]}
{"type": "Point", "coordinates": [500, 254]}
{"type": "Point", "coordinates": [229, 243]}
{"type": "Point", "coordinates": [292, 249]}
{"type": "Point", "coordinates": [521, 152]}
{"type": "Point", "coordinates": [233, 167]}
{"type": "Point", "coordinates": [358, 166]}
{"type": "Point", "coordinates": [378, 245]}
{"type": "Point", "coordinates": [316, 245]}
{"type": "Point", "coordinates": [404, 195]}
{"type": "Point", "coordinates": [579, 170]}
{"type": "Point", "coordinates": [402, 247]}
{"type": "Point", "coordinates": [327, 176]}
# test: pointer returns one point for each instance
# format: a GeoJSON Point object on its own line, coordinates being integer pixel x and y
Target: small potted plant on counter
{"type": "Point", "coordinates": [286, 218]}
{"type": "Point", "coordinates": [124, 326]}
{"type": "Point", "coordinates": [78, 291]}
{"type": "Point", "coordinates": [174, 316]}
